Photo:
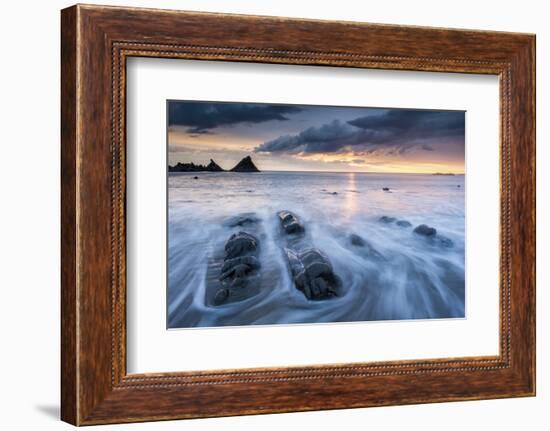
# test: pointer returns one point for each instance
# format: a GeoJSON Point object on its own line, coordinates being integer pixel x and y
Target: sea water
{"type": "Point", "coordinates": [415, 278]}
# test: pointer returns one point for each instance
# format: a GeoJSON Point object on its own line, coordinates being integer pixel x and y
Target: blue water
{"type": "Point", "coordinates": [415, 279]}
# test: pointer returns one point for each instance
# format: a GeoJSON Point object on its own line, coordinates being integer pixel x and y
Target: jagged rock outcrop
{"type": "Point", "coordinates": [312, 273]}
{"type": "Point", "coordinates": [240, 267]}
{"type": "Point", "coordinates": [191, 167]}
{"type": "Point", "coordinates": [290, 222]}
{"type": "Point", "coordinates": [186, 167]}
{"type": "Point", "coordinates": [213, 167]}
{"type": "Point", "coordinates": [245, 165]}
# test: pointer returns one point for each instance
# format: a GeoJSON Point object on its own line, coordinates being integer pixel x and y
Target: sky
{"type": "Point", "coordinates": [316, 138]}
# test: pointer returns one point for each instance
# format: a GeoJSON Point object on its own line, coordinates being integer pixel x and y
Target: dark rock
{"type": "Point", "coordinates": [386, 219]}
{"type": "Point", "coordinates": [240, 266]}
{"type": "Point", "coordinates": [245, 165]}
{"type": "Point", "coordinates": [433, 236]}
{"type": "Point", "coordinates": [242, 220]}
{"type": "Point", "coordinates": [195, 178]}
{"type": "Point", "coordinates": [313, 274]}
{"type": "Point", "coordinates": [221, 296]}
{"type": "Point", "coordinates": [191, 167]}
{"type": "Point", "coordinates": [249, 260]}
{"type": "Point", "coordinates": [290, 222]}
{"type": "Point", "coordinates": [425, 230]}
{"type": "Point", "coordinates": [367, 250]}
{"type": "Point", "coordinates": [186, 167]}
{"type": "Point", "coordinates": [444, 241]}
{"type": "Point", "coordinates": [240, 244]}
{"type": "Point", "coordinates": [386, 189]}
{"type": "Point", "coordinates": [403, 223]}
{"type": "Point", "coordinates": [213, 167]}
{"type": "Point", "coordinates": [356, 240]}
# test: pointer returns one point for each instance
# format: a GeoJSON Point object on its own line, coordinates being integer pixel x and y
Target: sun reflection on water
{"type": "Point", "coordinates": [350, 201]}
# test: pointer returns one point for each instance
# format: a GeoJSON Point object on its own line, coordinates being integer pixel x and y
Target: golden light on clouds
{"type": "Point", "coordinates": [317, 138]}
{"type": "Point", "coordinates": [214, 142]}
{"type": "Point", "coordinates": [405, 163]}
{"type": "Point", "coordinates": [233, 147]}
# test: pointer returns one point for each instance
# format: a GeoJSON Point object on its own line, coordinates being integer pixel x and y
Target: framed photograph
{"type": "Point", "coordinates": [266, 215]}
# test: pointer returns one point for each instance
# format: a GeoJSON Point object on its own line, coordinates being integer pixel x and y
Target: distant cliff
{"type": "Point", "coordinates": [191, 167]}
{"type": "Point", "coordinates": [245, 165]}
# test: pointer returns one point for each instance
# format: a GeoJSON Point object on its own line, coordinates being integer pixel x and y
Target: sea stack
{"type": "Point", "coordinates": [213, 167]}
{"type": "Point", "coordinates": [245, 165]}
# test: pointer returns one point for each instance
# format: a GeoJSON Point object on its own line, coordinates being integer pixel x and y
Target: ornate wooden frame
{"type": "Point", "coordinates": [95, 43]}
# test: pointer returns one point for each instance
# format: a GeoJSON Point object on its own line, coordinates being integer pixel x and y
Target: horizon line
{"type": "Point", "coordinates": [443, 173]}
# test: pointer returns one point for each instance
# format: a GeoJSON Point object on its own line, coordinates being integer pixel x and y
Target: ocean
{"type": "Point", "coordinates": [403, 275]}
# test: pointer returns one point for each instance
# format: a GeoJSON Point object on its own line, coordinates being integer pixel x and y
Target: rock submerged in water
{"type": "Point", "coordinates": [431, 233]}
{"type": "Point", "coordinates": [312, 273]}
{"type": "Point", "coordinates": [240, 266]}
{"type": "Point", "coordinates": [425, 230]}
{"type": "Point", "coordinates": [356, 240]}
{"type": "Point", "coordinates": [444, 241]}
{"type": "Point", "coordinates": [368, 250]}
{"type": "Point", "coordinates": [242, 220]}
{"type": "Point", "coordinates": [385, 189]}
{"type": "Point", "coordinates": [290, 222]}
{"type": "Point", "coordinates": [400, 223]}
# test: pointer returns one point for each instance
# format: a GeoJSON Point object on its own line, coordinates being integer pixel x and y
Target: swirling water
{"type": "Point", "coordinates": [415, 279]}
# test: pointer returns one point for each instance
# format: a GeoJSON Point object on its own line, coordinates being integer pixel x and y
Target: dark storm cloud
{"type": "Point", "coordinates": [201, 117]}
{"type": "Point", "coordinates": [392, 132]}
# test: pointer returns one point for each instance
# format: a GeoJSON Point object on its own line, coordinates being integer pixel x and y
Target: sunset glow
{"type": "Point", "coordinates": [317, 138]}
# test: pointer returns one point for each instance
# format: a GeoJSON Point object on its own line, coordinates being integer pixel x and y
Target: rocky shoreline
{"type": "Point", "coordinates": [239, 270]}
